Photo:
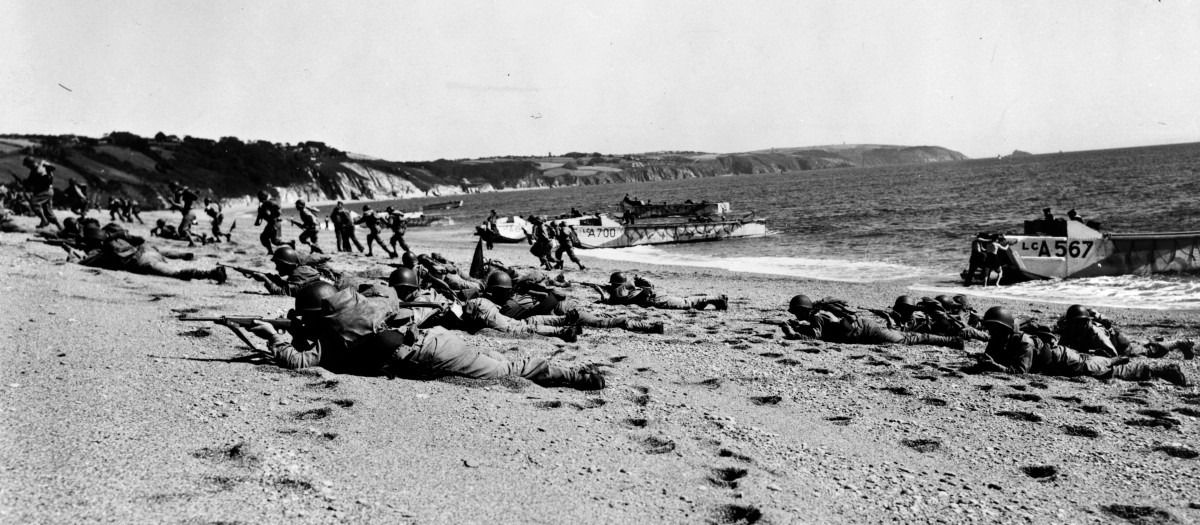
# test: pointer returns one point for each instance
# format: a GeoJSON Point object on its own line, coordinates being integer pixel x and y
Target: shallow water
{"type": "Point", "coordinates": [908, 222]}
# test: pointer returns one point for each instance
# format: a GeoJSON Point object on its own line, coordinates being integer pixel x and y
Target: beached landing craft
{"type": "Point", "coordinates": [705, 222]}
{"type": "Point", "coordinates": [508, 230]}
{"type": "Point", "coordinates": [1068, 249]}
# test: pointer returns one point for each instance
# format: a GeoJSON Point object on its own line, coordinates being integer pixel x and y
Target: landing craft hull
{"type": "Point", "coordinates": [619, 235]}
{"type": "Point", "coordinates": [1084, 252]}
{"type": "Point", "coordinates": [697, 209]}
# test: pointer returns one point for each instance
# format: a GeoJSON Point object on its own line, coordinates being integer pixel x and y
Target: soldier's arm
{"type": "Point", "coordinates": [297, 354]}
{"type": "Point", "coordinates": [274, 284]}
{"type": "Point", "coordinates": [794, 329]}
{"type": "Point", "coordinates": [1101, 342]}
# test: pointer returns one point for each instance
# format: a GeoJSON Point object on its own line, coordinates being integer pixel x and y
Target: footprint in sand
{"type": "Point", "coordinates": [657, 445]}
{"type": "Point", "coordinates": [1178, 452]}
{"type": "Point", "coordinates": [840, 420]}
{"type": "Point", "coordinates": [726, 453]}
{"type": "Point", "coordinates": [637, 422]}
{"type": "Point", "coordinates": [934, 402]}
{"type": "Point", "coordinates": [1140, 515]}
{"type": "Point", "coordinates": [1069, 399]}
{"type": "Point", "coordinates": [1033, 398]}
{"type": "Point", "coordinates": [1041, 472]}
{"type": "Point", "coordinates": [548, 405]}
{"type": "Point", "coordinates": [1020, 416]}
{"type": "Point", "coordinates": [727, 477]}
{"type": "Point", "coordinates": [593, 402]}
{"type": "Point", "coordinates": [766, 400]}
{"type": "Point", "coordinates": [899, 390]}
{"type": "Point", "coordinates": [771, 355]}
{"type": "Point", "coordinates": [313, 414]}
{"type": "Point", "coordinates": [736, 514]}
{"type": "Point", "coordinates": [923, 445]}
{"type": "Point", "coordinates": [197, 333]}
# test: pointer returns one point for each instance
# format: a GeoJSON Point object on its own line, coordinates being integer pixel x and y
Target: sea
{"type": "Point", "coordinates": [911, 223]}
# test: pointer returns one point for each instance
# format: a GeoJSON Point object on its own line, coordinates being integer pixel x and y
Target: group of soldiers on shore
{"type": "Point", "coordinates": [405, 326]}
{"type": "Point", "coordinates": [1080, 343]}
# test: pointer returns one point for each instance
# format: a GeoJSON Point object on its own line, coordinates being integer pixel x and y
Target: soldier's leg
{"type": "Point", "coordinates": [570, 253]}
{"type": "Point", "coordinates": [481, 315]}
{"type": "Point", "coordinates": [138, 216]}
{"type": "Point", "coordinates": [587, 318]}
{"type": "Point", "coordinates": [442, 352]}
{"type": "Point", "coordinates": [153, 263]}
{"type": "Point", "coordinates": [354, 239]}
{"type": "Point", "coordinates": [873, 333]}
{"type": "Point", "coordinates": [698, 302]}
{"type": "Point", "coordinates": [1161, 349]}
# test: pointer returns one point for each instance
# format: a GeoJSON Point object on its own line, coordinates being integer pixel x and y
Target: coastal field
{"type": "Point", "coordinates": [115, 411]}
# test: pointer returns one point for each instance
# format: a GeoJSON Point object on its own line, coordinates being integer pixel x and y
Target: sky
{"type": "Point", "coordinates": [454, 79]}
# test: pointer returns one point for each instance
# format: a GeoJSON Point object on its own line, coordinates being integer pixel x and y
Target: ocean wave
{"type": "Point", "coordinates": [1125, 291]}
{"type": "Point", "coordinates": [820, 269]}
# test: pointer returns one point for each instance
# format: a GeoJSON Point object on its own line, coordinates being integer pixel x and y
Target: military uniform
{"type": "Point", "coordinates": [308, 222]}
{"type": "Point", "coordinates": [523, 305]}
{"type": "Point", "coordinates": [119, 254]}
{"type": "Point", "coordinates": [1020, 353]}
{"type": "Point", "coordinates": [641, 293]}
{"type": "Point", "coordinates": [399, 227]}
{"type": "Point", "coordinates": [39, 186]}
{"type": "Point", "coordinates": [564, 235]}
{"type": "Point", "coordinates": [269, 212]}
{"type": "Point", "coordinates": [213, 210]}
{"type": "Point", "coordinates": [1095, 336]}
{"type": "Point", "coordinates": [854, 329]}
{"type": "Point", "coordinates": [311, 268]}
{"type": "Point", "coordinates": [371, 220]}
{"type": "Point", "coordinates": [543, 245]}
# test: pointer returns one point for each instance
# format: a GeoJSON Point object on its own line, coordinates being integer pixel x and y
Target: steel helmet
{"type": "Point", "coordinates": [286, 255]}
{"type": "Point", "coordinates": [617, 278]}
{"type": "Point", "coordinates": [299, 203]}
{"type": "Point", "coordinates": [800, 303]}
{"type": "Point", "coordinates": [946, 302]}
{"type": "Point", "coordinates": [404, 280]}
{"type": "Point", "coordinates": [905, 303]}
{"type": "Point", "coordinates": [69, 223]}
{"type": "Point", "coordinates": [499, 281]}
{"type": "Point", "coordinates": [93, 232]}
{"type": "Point", "coordinates": [366, 207]}
{"type": "Point", "coordinates": [1077, 311]}
{"type": "Point", "coordinates": [160, 223]}
{"type": "Point", "coordinates": [311, 298]}
{"type": "Point", "coordinates": [262, 196]}
{"type": "Point", "coordinates": [999, 316]}
{"type": "Point", "coordinates": [409, 260]}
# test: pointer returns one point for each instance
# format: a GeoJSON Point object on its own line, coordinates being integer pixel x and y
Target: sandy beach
{"type": "Point", "coordinates": [116, 411]}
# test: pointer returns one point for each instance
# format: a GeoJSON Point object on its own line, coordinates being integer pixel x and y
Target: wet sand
{"type": "Point", "coordinates": [116, 411]}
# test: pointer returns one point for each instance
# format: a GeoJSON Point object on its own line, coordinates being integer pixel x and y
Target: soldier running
{"type": "Point", "coordinates": [269, 212]}
{"type": "Point", "coordinates": [1013, 352]}
{"type": "Point", "coordinates": [399, 226]}
{"type": "Point", "coordinates": [565, 235]}
{"type": "Point", "coordinates": [40, 187]}
{"type": "Point", "coordinates": [213, 210]}
{"type": "Point", "coordinates": [372, 222]}
{"type": "Point", "coordinates": [308, 225]}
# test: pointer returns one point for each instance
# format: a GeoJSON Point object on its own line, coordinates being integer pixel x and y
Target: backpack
{"type": "Point", "coordinates": [1043, 333]}
{"type": "Point", "coordinates": [838, 307]}
{"type": "Point", "coordinates": [354, 316]}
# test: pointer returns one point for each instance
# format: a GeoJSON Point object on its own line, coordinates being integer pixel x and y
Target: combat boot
{"type": "Point", "coordinates": [645, 327]}
{"type": "Point", "coordinates": [218, 274]}
{"type": "Point", "coordinates": [568, 334]}
{"type": "Point", "coordinates": [1170, 373]}
{"type": "Point", "coordinates": [588, 379]}
{"type": "Point", "coordinates": [721, 302]}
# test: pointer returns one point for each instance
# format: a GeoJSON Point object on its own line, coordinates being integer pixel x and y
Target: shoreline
{"type": "Point", "coordinates": [121, 412]}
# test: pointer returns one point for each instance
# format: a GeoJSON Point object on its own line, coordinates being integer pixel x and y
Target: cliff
{"type": "Point", "coordinates": [127, 165]}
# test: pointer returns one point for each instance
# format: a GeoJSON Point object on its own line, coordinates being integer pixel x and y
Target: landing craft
{"type": "Point", "coordinates": [1063, 249]}
{"type": "Point", "coordinates": [645, 223]}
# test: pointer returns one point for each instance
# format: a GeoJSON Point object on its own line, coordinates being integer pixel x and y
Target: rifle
{"type": "Point", "coordinates": [244, 271]}
{"type": "Point", "coordinates": [51, 242]}
{"type": "Point", "coordinates": [234, 322]}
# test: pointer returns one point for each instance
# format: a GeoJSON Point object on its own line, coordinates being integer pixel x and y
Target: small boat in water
{"type": "Point", "coordinates": [637, 209]}
{"type": "Point", "coordinates": [1058, 249]}
{"type": "Point", "coordinates": [449, 205]}
{"type": "Point", "coordinates": [601, 231]}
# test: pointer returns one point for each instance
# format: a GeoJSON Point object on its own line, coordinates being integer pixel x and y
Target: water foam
{"type": "Point", "coordinates": [1126, 291]}
{"type": "Point", "coordinates": [821, 269]}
